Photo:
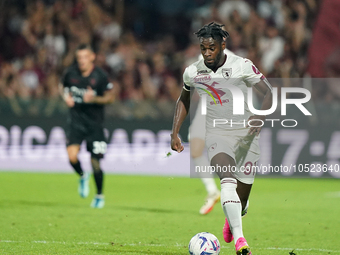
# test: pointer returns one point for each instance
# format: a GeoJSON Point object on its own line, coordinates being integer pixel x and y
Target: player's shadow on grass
{"type": "Point", "coordinates": [8, 203]}
{"type": "Point", "coordinates": [154, 210]}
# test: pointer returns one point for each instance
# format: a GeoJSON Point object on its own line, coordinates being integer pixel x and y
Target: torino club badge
{"type": "Point", "coordinates": [226, 72]}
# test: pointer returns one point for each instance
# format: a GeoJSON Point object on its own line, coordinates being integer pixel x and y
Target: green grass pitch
{"type": "Point", "coordinates": [42, 214]}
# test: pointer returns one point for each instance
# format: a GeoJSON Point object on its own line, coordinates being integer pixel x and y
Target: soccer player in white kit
{"type": "Point", "coordinates": [230, 146]}
{"type": "Point", "coordinates": [197, 144]}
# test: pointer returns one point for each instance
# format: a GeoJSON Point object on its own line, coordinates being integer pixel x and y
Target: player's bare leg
{"type": "Point", "coordinates": [243, 191]}
{"type": "Point", "coordinates": [83, 188]}
{"type": "Point", "coordinates": [196, 150]}
{"type": "Point", "coordinates": [72, 151]}
{"type": "Point", "coordinates": [98, 201]}
{"type": "Point", "coordinates": [231, 201]}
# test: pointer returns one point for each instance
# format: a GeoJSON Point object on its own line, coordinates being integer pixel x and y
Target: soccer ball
{"type": "Point", "coordinates": [204, 244]}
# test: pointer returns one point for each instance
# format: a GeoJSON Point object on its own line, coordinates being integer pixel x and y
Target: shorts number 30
{"type": "Point", "coordinates": [99, 147]}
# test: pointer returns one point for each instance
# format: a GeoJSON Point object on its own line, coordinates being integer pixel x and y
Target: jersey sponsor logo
{"type": "Point", "coordinates": [202, 78]}
{"type": "Point", "coordinates": [212, 92]}
{"type": "Point", "coordinates": [93, 81]}
{"type": "Point", "coordinates": [224, 101]}
{"type": "Point", "coordinates": [199, 72]}
{"type": "Point", "coordinates": [78, 93]}
{"type": "Point", "coordinates": [226, 73]}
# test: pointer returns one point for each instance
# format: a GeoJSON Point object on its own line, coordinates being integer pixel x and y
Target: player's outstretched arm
{"type": "Point", "coordinates": [265, 89]}
{"type": "Point", "coordinates": [90, 98]}
{"type": "Point", "coordinates": [181, 111]}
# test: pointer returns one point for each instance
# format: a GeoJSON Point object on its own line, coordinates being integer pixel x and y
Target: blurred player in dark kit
{"type": "Point", "coordinates": [86, 89]}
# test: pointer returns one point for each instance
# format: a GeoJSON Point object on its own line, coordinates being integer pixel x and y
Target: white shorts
{"type": "Point", "coordinates": [197, 127]}
{"type": "Point", "coordinates": [229, 144]}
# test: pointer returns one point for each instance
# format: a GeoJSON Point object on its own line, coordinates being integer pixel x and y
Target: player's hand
{"type": "Point", "coordinates": [176, 144]}
{"type": "Point", "coordinates": [89, 95]}
{"type": "Point", "coordinates": [69, 101]}
{"type": "Point", "coordinates": [256, 124]}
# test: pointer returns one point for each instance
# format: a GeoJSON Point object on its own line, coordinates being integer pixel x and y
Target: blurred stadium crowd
{"type": "Point", "coordinates": [143, 45]}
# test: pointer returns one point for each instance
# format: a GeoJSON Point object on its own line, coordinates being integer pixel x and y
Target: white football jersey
{"type": "Point", "coordinates": [197, 126]}
{"type": "Point", "coordinates": [235, 72]}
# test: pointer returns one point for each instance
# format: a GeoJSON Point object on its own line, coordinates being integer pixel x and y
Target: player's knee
{"type": "Point", "coordinates": [227, 174]}
{"type": "Point", "coordinates": [224, 165]}
{"type": "Point", "coordinates": [223, 171]}
{"type": "Point", "coordinates": [195, 153]}
{"type": "Point", "coordinates": [73, 158]}
{"type": "Point", "coordinates": [196, 147]}
{"type": "Point", "coordinates": [72, 152]}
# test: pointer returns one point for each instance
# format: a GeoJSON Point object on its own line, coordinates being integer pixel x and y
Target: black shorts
{"type": "Point", "coordinates": [94, 136]}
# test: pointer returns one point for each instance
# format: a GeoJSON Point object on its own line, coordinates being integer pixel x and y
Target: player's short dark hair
{"type": "Point", "coordinates": [212, 30]}
{"type": "Point", "coordinates": [84, 46]}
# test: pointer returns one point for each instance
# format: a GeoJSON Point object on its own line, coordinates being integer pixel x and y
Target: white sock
{"type": "Point", "coordinates": [209, 183]}
{"type": "Point", "coordinates": [231, 206]}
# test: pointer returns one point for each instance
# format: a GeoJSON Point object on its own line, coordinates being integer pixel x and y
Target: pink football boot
{"type": "Point", "coordinates": [227, 235]}
{"type": "Point", "coordinates": [241, 246]}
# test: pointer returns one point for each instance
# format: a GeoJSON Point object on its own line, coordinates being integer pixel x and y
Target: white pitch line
{"type": "Point", "coordinates": [333, 194]}
{"type": "Point", "coordinates": [162, 245]}
{"type": "Point", "coordinates": [296, 249]}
